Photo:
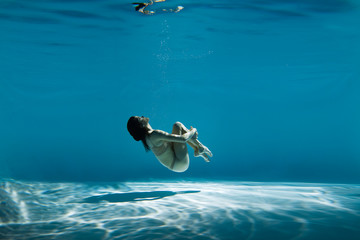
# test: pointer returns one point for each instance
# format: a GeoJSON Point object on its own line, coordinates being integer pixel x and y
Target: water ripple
{"type": "Point", "coordinates": [178, 210]}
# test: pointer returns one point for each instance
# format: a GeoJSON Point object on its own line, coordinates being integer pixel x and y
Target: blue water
{"type": "Point", "coordinates": [272, 87]}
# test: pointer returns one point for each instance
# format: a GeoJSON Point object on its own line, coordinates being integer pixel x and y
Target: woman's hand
{"type": "Point", "coordinates": [195, 135]}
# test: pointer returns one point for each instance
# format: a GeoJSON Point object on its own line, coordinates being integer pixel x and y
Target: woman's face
{"type": "Point", "coordinates": [143, 120]}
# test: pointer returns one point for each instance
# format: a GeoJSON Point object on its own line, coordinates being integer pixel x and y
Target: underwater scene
{"type": "Point", "coordinates": [247, 119]}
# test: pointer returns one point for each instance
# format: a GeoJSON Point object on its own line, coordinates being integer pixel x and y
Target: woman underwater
{"type": "Point", "coordinates": [169, 149]}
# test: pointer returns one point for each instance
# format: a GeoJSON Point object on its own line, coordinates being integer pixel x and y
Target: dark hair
{"type": "Point", "coordinates": [138, 131]}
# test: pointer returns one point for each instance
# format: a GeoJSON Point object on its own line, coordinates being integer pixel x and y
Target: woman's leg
{"type": "Point", "coordinates": [199, 148]}
{"type": "Point", "coordinates": [181, 159]}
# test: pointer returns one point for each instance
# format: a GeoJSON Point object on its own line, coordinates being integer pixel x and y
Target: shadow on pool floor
{"type": "Point", "coordinates": [133, 196]}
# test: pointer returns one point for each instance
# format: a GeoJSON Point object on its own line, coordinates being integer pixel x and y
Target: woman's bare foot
{"type": "Point", "coordinates": [205, 157]}
{"type": "Point", "coordinates": [199, 149]}
{"type": "Point", "coordinates": [201, 154]}
{"type": "Point", "coordinates": [203, 149]}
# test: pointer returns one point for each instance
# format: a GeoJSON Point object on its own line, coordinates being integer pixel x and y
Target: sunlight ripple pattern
{"type": "Point", "coordinates": [178, 210]}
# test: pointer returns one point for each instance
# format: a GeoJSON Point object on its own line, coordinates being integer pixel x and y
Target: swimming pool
{"type": "Point", "coordinates": [271, 86]}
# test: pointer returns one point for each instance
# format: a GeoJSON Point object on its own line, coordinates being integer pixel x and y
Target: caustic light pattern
{"type": "Point", "coordinates": [178, 210]}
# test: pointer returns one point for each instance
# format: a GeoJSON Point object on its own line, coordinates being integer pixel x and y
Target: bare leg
{"type": "Point", "coordinates": [181, 155]}
{"type": "Point", "coordinates": [199, 149]}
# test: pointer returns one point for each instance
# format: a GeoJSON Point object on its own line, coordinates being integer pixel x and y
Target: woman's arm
{"type": "Point", "coordinates": [158, 135]}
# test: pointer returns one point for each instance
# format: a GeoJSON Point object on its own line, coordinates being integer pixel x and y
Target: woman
{"type": "Point", "coordinates": [169, 149]}
{"type": "Point", "coordinates": [140, 7]}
